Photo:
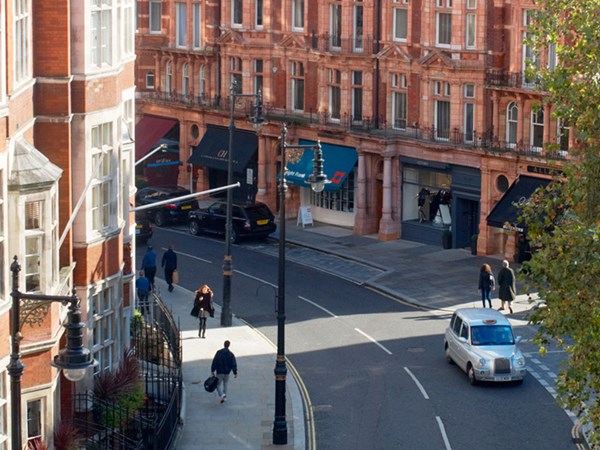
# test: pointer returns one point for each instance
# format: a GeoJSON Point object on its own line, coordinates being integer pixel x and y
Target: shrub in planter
{"type": "Point", "coordinates": [67, 437]}
{"type": "Point", "coordinates": [122, 392]}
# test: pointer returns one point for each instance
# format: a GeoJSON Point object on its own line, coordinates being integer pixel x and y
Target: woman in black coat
{"type": "Point", "coordinates": [203, 308]}
{"type": "Point", "coordinates": [507, 289]}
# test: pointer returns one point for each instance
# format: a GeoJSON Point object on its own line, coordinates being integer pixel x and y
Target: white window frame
{"type": "Point", "coordinates": [297, 15]}
{"type": "Point", "coordinates": [3, 51]}
{"type": "Point", "coordinates": [399, 34]}
{"type": "Point", "coordinates": [101, 29]}
{"type": "Point", "coordinates": [358, 28]}
{"type": "Point", "coordinates": [471, 4]}
{"type": "Point", "coordinates": [335, 95]}
{"type": "Point", "coordinates": [438, 34]}
{"type": "Point", "coordinates": [237, 13]}
{"type": "Point", "coordinates": [22, 40]}
{"type": "Point", "coordinates": [104, 327]}
{"type": "Point", "coordinates": [169, 78]}
{"type": "Point", "coordinates": [41, 418]}
{"type": "Point", "coordinates": [181, 24]}
{"type": "Point", "coordinates": [471, 31]}
{"type": "Point", "coordinates": [155, 16]}
{"type": "Point", "coordinates": [259, 14]}
{"type": "Point", "coordinates": [559, 136]}
{"type": "Point", "coordinates": [103, 195]}
{"type": "Point", "coordinates": [399, 110]}
{"type": "Point", "coordinates": [258, 67]}
{"type": "Point", "coordinates": [297, 86]}
{"type": "Point", "coordinates": [335, 25]}
{"type": "Point", "coordinates": [185, 79]}
{"type": "Point", "coordinates": [128, 27]}
{"type": "Point", "coordinates": [197, 25]}
{"type": "Point", "coordinates": [512, 124]}
{"type": "Point", "coordinates": [357, 96]}
{"type": "Point", "coordinates": [202, 81]}
{"type": "Point", "coordinates": [3, 410]}
{"type": "Point", "coordinates": [536, 125]}
{"type": "Point", "coordinates": [150, 80]}
{"type": "Point", "coordinates": [2, 246]}
{"type": "Point", "coordinates": [469, 122]}
{"type": "Point", "coordinates": [437, 104]}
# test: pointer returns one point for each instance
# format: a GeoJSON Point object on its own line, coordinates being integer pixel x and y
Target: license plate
{"type": "Point", "coordinates": [262, 221]}
{"type": "Point", "coordinates": [505, 378]}
{"type": "Point", "coordinates": [186, 207]}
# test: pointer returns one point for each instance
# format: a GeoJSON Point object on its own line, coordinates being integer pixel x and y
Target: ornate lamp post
{"type": "Point", "coordinates": [227, 265]}
{"type": "Point", "coordinates": [74, 359]}
{"type": "Point", "coordinates": [317, 180]}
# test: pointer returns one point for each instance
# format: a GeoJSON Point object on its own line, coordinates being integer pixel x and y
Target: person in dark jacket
{"type": "Point", "coordinates": [507, 289]}
{"type": "Point", "coordinates": [142, 286]}
{"type": "Point", "coordinates": [222, 365]}
{"type": "Point", "coordinates": [203, 308]}
{"type": "Point", "coordinates": [169, 263]}
{"type": "Point", "coordinates": [486, 284]}
{"type": "Point", "coordinates": [149, 265]}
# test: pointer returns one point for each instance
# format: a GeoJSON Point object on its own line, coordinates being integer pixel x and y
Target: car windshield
{"type": "Point", "coordinates": [492, 335]}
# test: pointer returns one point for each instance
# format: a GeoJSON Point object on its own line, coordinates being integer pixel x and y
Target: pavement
{"type": "Point", "coordinates": [424, 275]}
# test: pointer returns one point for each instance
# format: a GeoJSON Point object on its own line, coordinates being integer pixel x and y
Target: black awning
{"type": "Point", "coordinates": [506, 211]}
{"type": "Point", "coordinates": [213, 149]}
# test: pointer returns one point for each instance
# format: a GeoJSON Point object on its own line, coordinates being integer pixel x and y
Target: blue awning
{"type": "Point", "coordinates": [339, 162]}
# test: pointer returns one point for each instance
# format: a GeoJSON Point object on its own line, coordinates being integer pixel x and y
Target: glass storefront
{"type": "Point", "coordinates": [426, 196]}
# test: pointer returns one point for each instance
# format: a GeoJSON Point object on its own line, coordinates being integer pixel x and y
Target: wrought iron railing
{"type": "Point", "coordinates": [106, 425]}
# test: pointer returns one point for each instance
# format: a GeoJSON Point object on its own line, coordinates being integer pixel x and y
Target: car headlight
{"type": "Point", "coordinates": [520, 361]}
{"type": "Point", "coordinates": [482, 363]}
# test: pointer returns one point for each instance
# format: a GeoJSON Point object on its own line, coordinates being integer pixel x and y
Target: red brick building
{"type": "Point", "coordinates": [423, 108]}
{"type": "Point", "coordinates": [66, 113]}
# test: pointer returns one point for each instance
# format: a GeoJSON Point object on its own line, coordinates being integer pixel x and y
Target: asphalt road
{"type": "Point", "coordinates": [374, 368]}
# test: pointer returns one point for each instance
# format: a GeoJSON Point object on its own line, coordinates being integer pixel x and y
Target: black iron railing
{"type": "Point", "coordinates": [106, 425]}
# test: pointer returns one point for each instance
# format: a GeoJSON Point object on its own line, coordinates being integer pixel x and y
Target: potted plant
{"type": "Point", "coordinates": [474, 244]}
{"type": "Point", "coordinates": [447, 238]}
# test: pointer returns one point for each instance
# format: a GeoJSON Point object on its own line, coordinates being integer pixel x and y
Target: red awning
{"type": "Point", "coordinates": [148, 131]}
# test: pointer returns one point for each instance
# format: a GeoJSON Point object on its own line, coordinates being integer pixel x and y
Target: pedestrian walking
{"type": "Point", "coordinates": [149, 265]}
{"type": "Point", "coordinates": [142, 286]}
{"type": "Point", "coordinates": [222, 365]}
{"type": "Point", "coordinates": [486, 284]}
{"type": "Point", "coordinates": [507, 287]}
{"type": "Point", "coordinates": [203, 308]}
{"type": "Point", "coordinates": [169, 263]}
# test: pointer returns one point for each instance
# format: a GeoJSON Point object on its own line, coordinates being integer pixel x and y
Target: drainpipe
{"type": "Point", "coordinates": [377, 48]}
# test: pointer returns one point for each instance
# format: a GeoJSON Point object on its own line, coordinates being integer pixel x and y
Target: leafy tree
{"type": "Point", "coordinates": [564, 219]}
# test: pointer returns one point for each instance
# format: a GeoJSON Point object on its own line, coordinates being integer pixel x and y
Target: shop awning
{"type": "Point", "coordinates": [148, 131]}
{"type": "Point", "coordinates": [506, 211]}
{"type": "Point", "coordinates": [213, 149]}
{"type": "Point", "coordinates": [339, 162]}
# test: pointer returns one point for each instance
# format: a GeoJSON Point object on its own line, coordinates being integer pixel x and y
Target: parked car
{"type": "Point", "coordinates": [169, 212]}
{"type": "Point", "coordinates": [248, 220]}
{"type": "Point", "coordinates": [480, 341]}
{"type": "Point", "coordinates": [143, 227]}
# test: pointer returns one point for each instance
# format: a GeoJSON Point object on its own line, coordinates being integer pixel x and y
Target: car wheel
{"type": "Point", "coordinates": [159, 219]}
{"type": "Point", "coordinates": [449, 359]}
{"type": "Point", "coordinates": [471, 375]}
{"type": "Point", "coordinates": [194, 227]}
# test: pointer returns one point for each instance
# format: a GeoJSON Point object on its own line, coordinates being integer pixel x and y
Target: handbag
{"type": "Point", "coordinates": [211, 383]}
{"type": "Point", "coordinates": [175, 277]}
{"type": "Point", "coordinates": [195, 310]}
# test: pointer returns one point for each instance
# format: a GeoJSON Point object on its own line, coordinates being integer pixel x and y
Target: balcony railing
{"type": "Point", "coordinates": [375, 126]}
{"type": "Point", "coordinates": [504, 78]}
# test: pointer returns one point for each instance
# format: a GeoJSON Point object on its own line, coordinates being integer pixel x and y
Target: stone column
{"type": "Point", "coordinates": [387, 230]}
{"type": "Point", "coordinates": [521, 118]}
{"type": "Point", "coordinates": [361, 195]}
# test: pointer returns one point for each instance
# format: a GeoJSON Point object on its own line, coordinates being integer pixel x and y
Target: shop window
{"type": "Point", "coordinates": [426, 196]}
{"type": "Point", "coordinates": [341, 199]}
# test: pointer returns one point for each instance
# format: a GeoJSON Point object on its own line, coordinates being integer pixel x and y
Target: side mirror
{"type": "Point", "coordinates": [463, 340]}
{"type": "Point", "coordinates": [518, 339]}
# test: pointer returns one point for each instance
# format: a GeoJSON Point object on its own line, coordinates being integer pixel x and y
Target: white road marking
{"type": "Point", "coordinates": [373, 341]}
{"type": "Point", "coordinates": [318, 306]}
{"type": "Point", "coordinates": [419, 385]}
{"type": "Point", "coordinates": [443, 431]}
{"type": "Point", "coordinates": [260, 280]}
{"type": "Point", "coordinates": [192, 256]}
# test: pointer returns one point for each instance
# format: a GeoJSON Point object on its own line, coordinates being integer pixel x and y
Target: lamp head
{"type": "Point", "coordinates": [318, 179]}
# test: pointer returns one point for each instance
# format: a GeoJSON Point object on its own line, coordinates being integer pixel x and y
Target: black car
{"type": "Point", "coordinates": [143, 227]}
{"type": "Point", "coordinates": [248, 220]}
{"type": "Point", "coordinates": [169, 212]}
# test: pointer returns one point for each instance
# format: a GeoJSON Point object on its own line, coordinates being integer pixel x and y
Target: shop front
{"type": "Point", "coordinates": [336, 204]}
{"type": "Point", "coordinates": [212, 153]}
{"type": "Point", "coordinates": [440, 203]}
{"type": "Point", "coordinates": [506, 215]}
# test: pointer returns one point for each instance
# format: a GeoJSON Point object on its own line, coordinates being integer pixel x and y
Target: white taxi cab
{"type": "Point", "coordinates": [480, 341]}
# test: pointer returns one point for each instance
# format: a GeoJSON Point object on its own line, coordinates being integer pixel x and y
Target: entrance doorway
{"type": "Point", "coordinates": [467, 213]}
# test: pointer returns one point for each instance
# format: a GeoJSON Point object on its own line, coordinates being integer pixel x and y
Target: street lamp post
{"type": "Point", "coordinates": [317, 181]}
{"type": "Point", "coordinates": [74, 359]}
{"type": "Point", "coordinates": [161, 148]}
{"type": "Point", "coordinates": [227, 264]}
